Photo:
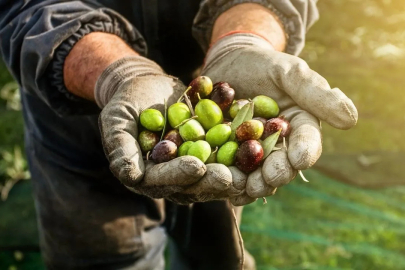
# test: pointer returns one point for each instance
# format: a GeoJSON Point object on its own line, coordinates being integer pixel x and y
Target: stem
{"type": "Point", "coordinates": [147, 155]}
{"type": "Point", "coordinates": [302, 176]}
{"type": "Point", "coordinates": [264, 200]}
{"type": "Point", "coordinates": [185, 92]}
{"type": "Point", "coordinates": [198, 95]}
{"type": "Point", "coordinates": [185, 121]}
{"type": "Point", "coordinates": [190, 106]}
{"type": "Point", "coordinates": [164, 127]}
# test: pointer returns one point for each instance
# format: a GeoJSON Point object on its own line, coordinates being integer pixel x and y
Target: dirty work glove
{"type": "Point", "coordinates": [126, 88]}
{"type": "Point", "coordinates": [252, 67]}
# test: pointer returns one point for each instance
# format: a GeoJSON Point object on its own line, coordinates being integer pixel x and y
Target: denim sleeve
{"type": "Point", "coordinates": [37, 35]}
{"type": "Point", "coordinates": [297, 16]}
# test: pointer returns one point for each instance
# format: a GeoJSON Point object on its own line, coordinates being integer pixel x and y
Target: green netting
{"type": "Point", "coordinates": [323, 224]}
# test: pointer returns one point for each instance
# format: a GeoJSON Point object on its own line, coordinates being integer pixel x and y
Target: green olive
{"type": "Point", "coordinates": [183, 149]}
{"type": "Point", "coordinates": [236, 106]}
{"type": "Point", "coordinates": [200, 149]}
{"type": "Point", "coordinates": [218, 135]}
{"type": "Point", "coordinates": [192, 131]}
{"type": "Point", "coordinates": [209, 113]}
{"type": "Point", "coordinates": [177, 113]}
{"type": "Point", "coordinates": [265, 107]}
{"type": "Point", "coordinates": [152, 120]}
{"type": "Point", "coordinates": [226, 154]}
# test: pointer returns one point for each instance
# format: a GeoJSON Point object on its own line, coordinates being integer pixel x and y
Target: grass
{"type": "Point", "coordinates": [325, 224]}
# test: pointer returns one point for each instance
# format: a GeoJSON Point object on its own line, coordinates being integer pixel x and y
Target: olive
{"type": "Point", "coordinates": [147, 140]}
{"type": "Point", "coordinates": [200, 149]}
{"type": "Point", "coordinates": [177, 113]}
{"type": "Point", "coordinates": [209, 114]}
{"type": "Point", "coordinates": [249, 156]}
{"type": "Point", "coordinates": [226, 154]}
{"type": "Point", "coordinates": [236, 106]}
{"type": "Point", "coordinates": [202, 86]}
{"type": "Point", "coordinates": [164, 151]}
{"type": "Point", "coordinates": [261, 119]}
{"type": "Point", "coordinates": [192, 131]}
{"type": "Point", "coordinates": [183, 149]}
{"type": "Point", "coordinates": [275, 124]}
{"type": "Point", "coordinates": [212, 158]}
{"type": "Point", "coordinates": [218, 135]}
{"type": "Point", "coordinates": [265, 107]}
{"type": "Point", "coordinates": [249, 130]}
{"type": "Point", "coordinates": [174, 136]}
{"type": "Point", "coordinates": [152, 120]}
{"type": "Point", "coordinates": [223, 95]}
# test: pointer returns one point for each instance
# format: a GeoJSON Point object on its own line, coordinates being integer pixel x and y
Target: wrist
{"type": "Point", "coordinates": [88, 58]}
{"type": "Point", "coordinates": [251, 18]}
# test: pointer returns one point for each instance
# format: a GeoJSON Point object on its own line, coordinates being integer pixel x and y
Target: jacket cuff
{"type": "Point", "coordinates": [66, 103]}
{"type": "Point", "coordinates": [296, 17]}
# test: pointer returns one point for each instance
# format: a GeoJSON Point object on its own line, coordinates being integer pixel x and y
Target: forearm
{"type": "Point", "coordinates": [89, 58]}
{"type": "Point", "coordinates": [253, 18]}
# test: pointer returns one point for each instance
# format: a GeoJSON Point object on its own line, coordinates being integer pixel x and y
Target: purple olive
{"type": "Point", "coordinates": [275, 124]}
{"type": "Point", "coordinates": [164, 151]}
{"type": "Point", "coordinates": [174, 136]}
{"type": "Point", "coordinates": [223, 95]}
{"type": "Point", "coordinates": [249, 156]}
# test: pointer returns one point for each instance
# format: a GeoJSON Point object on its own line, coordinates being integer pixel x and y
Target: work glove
{"type": "Point", "coordinates": [126, 88]}
{"type": "Point", "coordinates": [252, 67]}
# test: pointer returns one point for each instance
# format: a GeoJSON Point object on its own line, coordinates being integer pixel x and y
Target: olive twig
{"type": "Point", "coordinates": [188, 102]}
{"type": "Point", "coordinates": [185, 121]}
{"type": "Point", "coordinates": [164, 126]}
{"type": "Point", "coordinates": [185, 93]}
{"type": "Point", "coordinates": [235, 221]}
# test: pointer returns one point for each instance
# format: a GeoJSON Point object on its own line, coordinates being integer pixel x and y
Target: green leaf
{"type": "Point", "coordinates": [269, 143]}
{"type": "Point", "coordinates": [244, 114]}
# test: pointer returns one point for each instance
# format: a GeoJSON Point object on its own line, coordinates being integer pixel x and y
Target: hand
{"type": "Point", "coordinates": [124, 90]}
{"type": "Point", "coordinates": [252, 67]}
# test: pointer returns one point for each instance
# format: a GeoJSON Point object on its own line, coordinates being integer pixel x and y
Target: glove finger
{"type": "Point", "coordinates": [239, 180]}
{"type": "Point", "coordinates": [181, 171]}
{"type": "Point", "coordinates": [277, 170]}
{"type": "Point", "coordinates": [243, 199]}
{"type": "Point", "coordinates": [118, 128]}
{"type": "Point", "coordinates": [213, 186]}
{"type": "Point", "coordinates": [312, 92]}
{"type": "Point", "coordinates": [305, 140]}
{"type": "Point", "coordinates": [218, 178]}
{"type": "Point", "coordinates": [256, 187]}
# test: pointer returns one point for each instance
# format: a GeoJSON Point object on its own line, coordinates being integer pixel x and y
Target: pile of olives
{"type": "Point", "coordinates": [198, 127]}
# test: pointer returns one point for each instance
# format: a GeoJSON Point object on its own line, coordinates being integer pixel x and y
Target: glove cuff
{"type": "Point", "coordinates": [233, 42]}
{"type": "Point", "coordinates": [121, 71]}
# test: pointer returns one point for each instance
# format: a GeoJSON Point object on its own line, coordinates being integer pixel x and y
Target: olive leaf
{"type": "Point", "coordinates": [269, 143]}
{"type": "Point", "coordinates": [244, 114]}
